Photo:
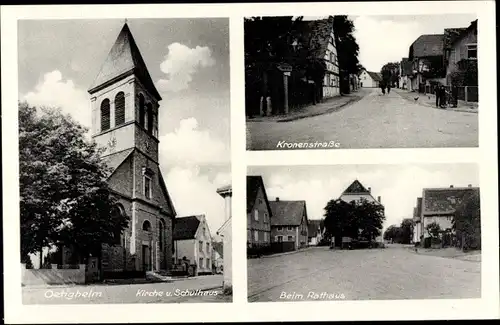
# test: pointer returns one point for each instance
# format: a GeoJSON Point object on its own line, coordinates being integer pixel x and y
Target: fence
{"type": "Point", "coordinates": [465, 93]}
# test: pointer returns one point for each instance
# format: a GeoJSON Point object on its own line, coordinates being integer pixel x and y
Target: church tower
{"type": "Point", "coordinates": [125, 111]}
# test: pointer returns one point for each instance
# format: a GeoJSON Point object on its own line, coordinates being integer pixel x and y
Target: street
{"type": "Point", "coordinates": [396, 272]}
{"type": "Point", "coordinates": [199, 289]}
{"type": "Point", "coordinates": [375, 121]}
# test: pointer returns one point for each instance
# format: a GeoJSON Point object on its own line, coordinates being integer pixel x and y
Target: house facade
{"type": "Point", "coordinates": [125, 108]}
{"type": "Point", "coordinates": [331, 82]}
{"type": "Point", "coordinates": [368, 79]}
{"type": "Point", "coordinates": [218, 257]}
{"type": "Point", "coordinates": [258, 214]}
{"type": "Point", "coordinates": [417, 221]}
{"type": "Point", "coordinates": [314, 232]}
{"type": "Point", "coordinates": [289, 225]}
{"type": "Point", "coordinates": [405, 69]}
{"type": "Point", "coordinates": [226, 232]}
{"type": "Point", "coordinates": [460, 49]}
{"type": "Point", "coordinates": [193, 241]}
{"type": "Point", "coordinates": [427, 57]}
{"type": "Point", "coordinates": [439, 205]}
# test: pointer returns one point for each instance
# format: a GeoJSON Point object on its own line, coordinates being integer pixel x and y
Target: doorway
{"type": "Point", "coordinates": [146, 258]}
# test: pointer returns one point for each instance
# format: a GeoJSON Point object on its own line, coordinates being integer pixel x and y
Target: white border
{"type": "Point", "coordinates": [240, 310]}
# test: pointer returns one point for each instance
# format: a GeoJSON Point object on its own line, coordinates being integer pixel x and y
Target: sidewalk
{"type": "Point", "coordinates": [449, 252]}
{"type": "Point", "coordinates": [288, 253]}
{"type": "Point", "coordinates": [328, 106]}
{"type": "Point", "coordinates": [430, 101]}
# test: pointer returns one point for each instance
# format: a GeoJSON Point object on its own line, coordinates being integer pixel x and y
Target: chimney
{"type": "Point", "coordinates": [470, 185]}
{"type": "Point", "coordinates": [451, 186]}
{"type": "Point", "coordinates": [277, 199]}
{"type": "Point", "coordinates": [379, 199]}
{"type": "Point", "coordinates": [369, 190]}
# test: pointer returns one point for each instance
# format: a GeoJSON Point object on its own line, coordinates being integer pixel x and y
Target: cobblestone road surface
{"type": "Point", "coordinates": [391, 273]}
{"type": "Point", "coordinates": [375, 121]}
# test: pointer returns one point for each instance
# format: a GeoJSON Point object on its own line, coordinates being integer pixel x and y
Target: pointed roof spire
{"type": "Point", "coordinates": [124, 59]}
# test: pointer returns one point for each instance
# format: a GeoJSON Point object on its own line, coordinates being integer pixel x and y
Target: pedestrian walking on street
{"type": "Point", "coordinates": [454, 95]}
{"type": "Point", "coordinates": [382, 86]}
{"type": "Point", "coordinates": [437, 92]}
{"type": "Point", "coordinates": [388, 89]}
{"type": "Point", "coordinates": [442, 100]}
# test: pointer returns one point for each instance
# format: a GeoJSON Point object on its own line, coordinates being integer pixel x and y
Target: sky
{"type": "Point", "coordinates": [397, 185]}
{"type": "Point", "coordinates": [188, 60]}
{"type": "Point", "coordinates": [384, 39]}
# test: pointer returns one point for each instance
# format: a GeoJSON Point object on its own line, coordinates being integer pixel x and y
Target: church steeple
{"type": "Point", "coordinates": [125, 101]}
{"type": "Point", "coordinates": [124, 59]}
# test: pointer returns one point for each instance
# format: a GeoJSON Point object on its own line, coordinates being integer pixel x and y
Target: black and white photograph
{"type": "Point", "coordinates": [363, 232]}
{"type": "Point", "coordinates": [124, 161]}
{"type": "Point", "coordinates": [344, 81]}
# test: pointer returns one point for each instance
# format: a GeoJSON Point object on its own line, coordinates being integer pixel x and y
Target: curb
{"type": "Point", "coordinates": [287, 253]}
{"type": "Point", "coordinates": [331, 110]}
{"type": "Point", "coordinates": [473, 111]}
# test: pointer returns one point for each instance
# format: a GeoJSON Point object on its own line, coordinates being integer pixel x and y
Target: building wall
{"type": "Point", "coordinates": [261, 226]}
{"type": "Point", "coordinates": [459, 52]}
{"type": "Point", "coordinates": [331, 82]}
{"type": "Point", "coordinates": [228, 256]}
{"type": "Point", "coordinates": [417, 232]}
{"type": "Point", "coordinates": [289, 234]}
{"type": "Point", "coordinates": [445, 222]}
{"type": "Point", "coordinates": [302, 232]}
{"type": "Point", "coordinates": [367, 81]}
{"type": "Point", "coordinates": [205, 253]}
{"type": "Point", "coordinates": [187, 248]}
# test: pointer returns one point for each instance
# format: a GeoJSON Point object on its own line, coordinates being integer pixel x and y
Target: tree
{"type": "Point", "coordinates": [467, 222]}
{"type": "Point", "coordinates": [391, 233]}
{"type": "Point", "coordinates": [434, 230]}
{"type": "Point", "coordinates": [347, 50]}
{"type": "Point", "coordinates": [406, 231]}
{"type": "Point", "coordinates": [64, 198]}
{"type": "Point", "coordinates": [358, 219]}
{"type": "Point", "coordinates": [390, 73]}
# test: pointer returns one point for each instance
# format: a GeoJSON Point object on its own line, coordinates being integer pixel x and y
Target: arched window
{"type": "Point", "coordinates": [161, 234]}
{"type": "Point", "coordinates": [142, 110]}
{"type": "Point", "coordinates": [146, 226]}
{"type": "Point", "coordinates": [150, 118]}
{"type": "Point", "coordinates": [119, 108]}
{"type": "Point", "coordinates": [105, 115]}
{"type": "Point", "coordinates": [155, 125]}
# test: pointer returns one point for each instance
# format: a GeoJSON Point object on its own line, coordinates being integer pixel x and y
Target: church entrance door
{"type": "Point", "coordinates": [146, 258]}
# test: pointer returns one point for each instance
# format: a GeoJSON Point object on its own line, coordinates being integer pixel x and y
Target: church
{"type": "Point", "coordinates": [125, 111]}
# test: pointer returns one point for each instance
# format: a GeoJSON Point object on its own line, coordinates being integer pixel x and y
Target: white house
{"type": "Point", "coordinates": [193, 241]}
{"type": "Point", "coordinates": [368, 79]}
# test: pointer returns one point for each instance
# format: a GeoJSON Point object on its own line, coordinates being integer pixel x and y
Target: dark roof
{"type": "Point", "coordinates": [123, 59]}
{"type": "Point", "coordinates": [253, 185]}
{"type": "Point", "coordinates": [356, 187]}
{"type": "Point", "coordinates": [428, 45]}
{"type": "Point", "coordinates": [313, 227]}
{"type": "Point", "coordinates": [445, 200]}
{"type": "Point", "coordinates": [319, 34]}
{"type": "Point", "coordinates": [375, 75]}
{"type": "Point", "coordinates": [287, 213]}
{"type": "Point", "coordinates": [218, 246]}
{"type": "Point", "coordinates": [185, 227]}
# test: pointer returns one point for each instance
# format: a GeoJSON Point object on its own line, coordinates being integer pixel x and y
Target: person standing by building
{"type": "Point", "coordinates": [437, 92]}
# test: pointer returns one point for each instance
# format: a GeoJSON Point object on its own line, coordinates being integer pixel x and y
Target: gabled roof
{"type": "Point", "coordinates": [124, 59]}
{"type": "Point", "coordinates": [253, 185]}
{"type": "Point", "coordinates": [355, 187]}
{"type": "Point", "coordinates": [166, 194]}
{"type": "Point", "coordinates": [313, 227]}
{"type": "Point", "coordinates": [437, 201]}
{"type": "Point", "coordinates": [185, 227]}
{"type": "Point", "coordinates": [375, 75]}
{"type": "Point", "coordinates": [355, 192]}
{"type": "Point", "coordinates": [428, 45]}
{"type": "Point", "coordinates": [287, 213]}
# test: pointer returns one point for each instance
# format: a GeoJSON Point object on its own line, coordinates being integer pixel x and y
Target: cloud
{"type": "Point", "coordinates": [180, 65]}
{"type": "Point", "coordinates": [53, 91]}
{"type": "Point", "coordinates": [189, 145]}
{"type": "Point", "coordinates": [194, 193]}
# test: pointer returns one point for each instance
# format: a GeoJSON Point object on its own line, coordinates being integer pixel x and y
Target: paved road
{"type": "Point", "coordinates": [185, 290]}
{"type": "Point", "coordinates": [391, 273]}
{"type": "Point", "coordinates": [375, 121]}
